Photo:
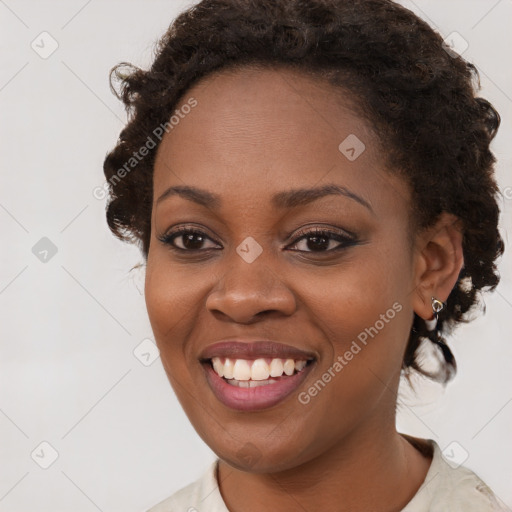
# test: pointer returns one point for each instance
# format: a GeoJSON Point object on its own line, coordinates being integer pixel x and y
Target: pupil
{"type": "Point", "coordinates": [188, 241]}
{"type": "Point", "coordinates": [315, 239]}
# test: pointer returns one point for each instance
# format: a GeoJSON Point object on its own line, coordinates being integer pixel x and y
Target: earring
{"type": "Point", "coordinates": [437, 306]}
{"type": "Point", "coordinates": [435, 337]}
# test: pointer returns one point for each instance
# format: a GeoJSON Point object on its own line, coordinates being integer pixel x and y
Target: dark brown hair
{"type": "Point", "coordinates": [421, 97]}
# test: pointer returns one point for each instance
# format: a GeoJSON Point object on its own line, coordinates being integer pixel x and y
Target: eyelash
{"type": "Point", "coordinates": [344, 239]}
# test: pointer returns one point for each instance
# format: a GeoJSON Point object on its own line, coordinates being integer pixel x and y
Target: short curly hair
{"type": "Point", "coordinates": [419, 93]}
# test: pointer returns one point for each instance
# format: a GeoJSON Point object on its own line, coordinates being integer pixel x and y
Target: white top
{"type": "Point", "coordinates": [445, 489]}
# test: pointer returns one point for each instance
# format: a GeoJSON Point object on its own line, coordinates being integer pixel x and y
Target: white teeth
{"type": "Point", "coordinates": [241, 370]}
{"type": "Point", "coordinates": [228, 368]}
{"type": "Point", "coordinates": [250, 383]}
{"type": "Point", "coordinates": [276, 368]}
{"type": "Point", "coordinates": [299, 365]}
{"type": "Point", "coordinates": [259, 370]}
{"type": "Point", "coordinates": [218, 366]}
{"type": "Point", "coordinates": [289, 366]}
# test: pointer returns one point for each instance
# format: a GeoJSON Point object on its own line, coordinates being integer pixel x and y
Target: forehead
{"type": "Point", "coordinates": [264, 130]}
{"type": "Point", "coordinates": [270, 103]}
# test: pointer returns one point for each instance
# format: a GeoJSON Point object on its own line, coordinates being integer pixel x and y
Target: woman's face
{"type": "Point", "coordinates": [257, 270]}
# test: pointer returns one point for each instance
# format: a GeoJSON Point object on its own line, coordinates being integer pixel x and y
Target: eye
{"type": "Point", "coordinates": [187, 239]}
{"type": "Point", "coordinates": [323, 240]}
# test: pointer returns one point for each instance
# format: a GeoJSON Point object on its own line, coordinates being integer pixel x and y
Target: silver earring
{"type": "Point", "coordinates": [437, 306]}
{"type": "Point", "coordinates": [434, 335]}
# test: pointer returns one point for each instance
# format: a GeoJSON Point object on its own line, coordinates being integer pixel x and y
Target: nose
{"type": "Point", "coordinates": [249, 291]}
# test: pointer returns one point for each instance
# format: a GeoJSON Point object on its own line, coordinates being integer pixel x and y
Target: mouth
{"type": "Point", "coordinates": [255, 383]}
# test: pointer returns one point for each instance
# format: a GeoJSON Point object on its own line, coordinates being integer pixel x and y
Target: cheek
{"type": "Point", "coordinates": [361, 296]}
{"type": "Point", "coordinates": [365, 325]}
{"type": "Point", "coordinates": [363, 311]}
{"type": "Point", "coordinates": [172, 303]}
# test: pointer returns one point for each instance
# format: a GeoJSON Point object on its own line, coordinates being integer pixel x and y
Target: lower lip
{"type": "Point", "coordinates": [257, 398]}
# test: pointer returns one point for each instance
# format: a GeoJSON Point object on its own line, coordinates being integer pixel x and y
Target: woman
{"type": "Point", "coordinates": [311, 186]}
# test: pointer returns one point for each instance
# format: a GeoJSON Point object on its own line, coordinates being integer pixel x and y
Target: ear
{"type": "Point", "coordinates": [439, 260]}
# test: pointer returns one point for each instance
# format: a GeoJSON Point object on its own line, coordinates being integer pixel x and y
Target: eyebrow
{"type": "Point", "coordinates": [286, 199]}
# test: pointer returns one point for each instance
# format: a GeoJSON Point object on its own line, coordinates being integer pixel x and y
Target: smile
{"type": "Point", "coordinates": [250, 385]}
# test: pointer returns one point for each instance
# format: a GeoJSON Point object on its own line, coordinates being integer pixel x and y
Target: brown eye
{"type": "Point", "coordinates": [321, 240]}
{"type": "Point", "coordinates": [186, 239]}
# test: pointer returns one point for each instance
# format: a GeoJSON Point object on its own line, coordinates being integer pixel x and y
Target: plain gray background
{"type": "Point", "coordinates": [70, 324]}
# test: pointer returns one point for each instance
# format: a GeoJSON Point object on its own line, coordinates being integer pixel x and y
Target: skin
{"type": "Point", "coordinates": [254, 133]}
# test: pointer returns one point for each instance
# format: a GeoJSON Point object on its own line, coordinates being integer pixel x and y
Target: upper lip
{"type": "Point", "coordinates": [237, 349]}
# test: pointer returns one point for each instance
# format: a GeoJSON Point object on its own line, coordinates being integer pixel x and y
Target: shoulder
{"type": "Point", "coordinates": [203, 494]}
{"type": "Point", "coordinates": [452, 488]}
